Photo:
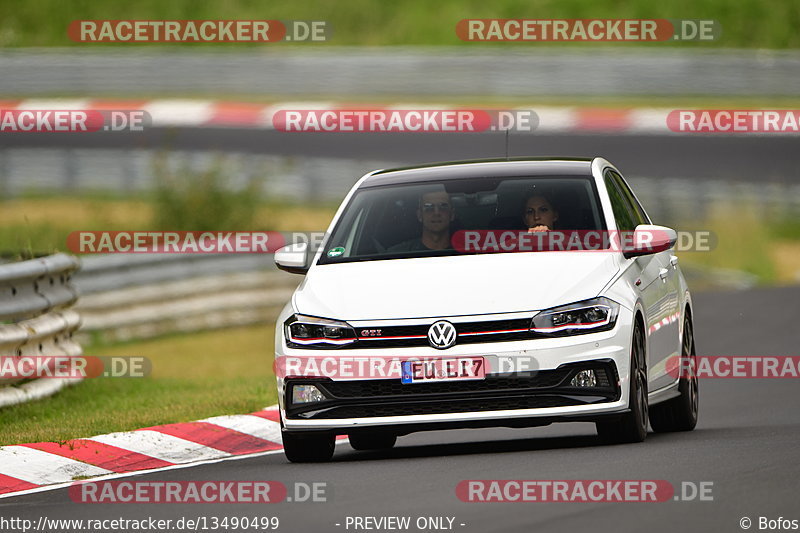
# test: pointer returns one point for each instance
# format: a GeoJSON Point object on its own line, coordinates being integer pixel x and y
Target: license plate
{"type": "Point", "coordinates": [432, 370]}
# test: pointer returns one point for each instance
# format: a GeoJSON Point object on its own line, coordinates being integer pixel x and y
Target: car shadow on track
{"type": "Point", "coordinates": [346, 453]}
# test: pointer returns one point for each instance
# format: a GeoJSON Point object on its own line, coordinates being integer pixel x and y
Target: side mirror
{"type": "Point", "coordinates": [649, 239]}
{"type": "Point", "coordinates": [293, 258]}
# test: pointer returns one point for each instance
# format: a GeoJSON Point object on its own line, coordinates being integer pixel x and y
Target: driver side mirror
{"type": "Point", "coordinates": [649, 239]}
{"type": "Point", "coordinates": [294, 258]}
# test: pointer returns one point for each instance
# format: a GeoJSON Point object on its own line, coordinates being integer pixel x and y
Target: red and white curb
{"type": "Point", "coordinates": [26, 467]}
{"type": "Point", "coordinates": [209, 113]}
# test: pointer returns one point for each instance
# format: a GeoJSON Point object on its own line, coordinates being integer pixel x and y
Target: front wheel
{"type": "Point", "coordinates": [308, 447]}
{"type": "Point", "coordinates": [680, 414]}
{"type": "Point", "coordinates": [632, 426]}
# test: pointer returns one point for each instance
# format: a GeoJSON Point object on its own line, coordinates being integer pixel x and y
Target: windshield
{"type": "Point", "coordinates": [426, 219]}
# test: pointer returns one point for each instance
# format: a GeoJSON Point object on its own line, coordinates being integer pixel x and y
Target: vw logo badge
{"type": "Point", "coordinates": [442, 335]}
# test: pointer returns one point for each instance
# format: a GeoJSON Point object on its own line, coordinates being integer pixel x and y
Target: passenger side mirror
{"type": "Point", "coordinates": [293, 258]}
{"type": "Point", "coordinates": [648, 239]}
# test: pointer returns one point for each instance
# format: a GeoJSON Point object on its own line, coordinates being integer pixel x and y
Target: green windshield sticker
{"type": "Point", "coordinates": [335, 252]}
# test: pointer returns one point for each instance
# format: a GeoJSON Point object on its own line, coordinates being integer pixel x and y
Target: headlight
{"type": "Point", "coordinates": [588, 316]}
{"type": "Point", "coordinates": [309, 331]}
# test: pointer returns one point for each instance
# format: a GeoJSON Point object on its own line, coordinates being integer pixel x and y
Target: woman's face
{"type": "Point", "coordinates": [539, 212]}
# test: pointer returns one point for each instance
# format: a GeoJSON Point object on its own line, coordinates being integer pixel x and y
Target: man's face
{"type": "Point", "coordinates": [435, 212]}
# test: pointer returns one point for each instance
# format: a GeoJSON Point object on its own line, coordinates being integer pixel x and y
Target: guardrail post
{"type": "Point", "coordinates": [5, 180]}
{"type": "Point", "coordinates": [36, 319]}
{"type": "Point", "coordinates": [70, 171]}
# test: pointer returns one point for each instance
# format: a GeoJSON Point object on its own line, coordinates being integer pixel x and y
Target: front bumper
{"type": "Point", "coordinates": [402, 425]}
{"type": "Point", "coordinates": [528, 385]}
{"type": "Point", "coordinates": [517, 391]}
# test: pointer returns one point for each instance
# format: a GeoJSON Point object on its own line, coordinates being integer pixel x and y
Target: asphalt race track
{"type": "Point", "coordinates": [746, 443]}
{"type": "Point", "coordinates": [755, 157]}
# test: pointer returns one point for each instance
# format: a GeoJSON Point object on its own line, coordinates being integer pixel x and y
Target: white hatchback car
{"type": "Point", "coordinates": [448, 296]}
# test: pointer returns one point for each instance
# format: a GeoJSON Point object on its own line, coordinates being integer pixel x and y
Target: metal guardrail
{"type": "Point", "coordinates": [122, 297]}
{"type": "Point", "coordinates": [99, 169]}
{"type": "Point", "coordinates": [135, 296]}
{"type": "Point", "coordinates": [104, 273]}
{"type": "Point", "coordinates": [469, 70]}
{"type": "Point", "coordinates": [37, 320]}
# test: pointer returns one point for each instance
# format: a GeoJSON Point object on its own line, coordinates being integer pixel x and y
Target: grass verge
{"type": "Point", "coordinates": [745, 23]}
{"type": "Point", "coordinates": [42, 224]}
{"type": "Point", "coordinates": [768, 249]}
{"type": "Point", "coordinates": [194, 376]}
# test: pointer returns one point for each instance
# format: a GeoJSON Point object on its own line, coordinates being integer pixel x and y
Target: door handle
{"type": "Point", "coordinates": [673, 260]}
{"type": "Point", "coordinates": [662, 273]}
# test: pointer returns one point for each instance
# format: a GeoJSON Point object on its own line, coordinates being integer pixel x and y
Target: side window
{"type": "Point", "coordinates": [625, 215]}
{"type": "Point", "coordinates": [641, 216]}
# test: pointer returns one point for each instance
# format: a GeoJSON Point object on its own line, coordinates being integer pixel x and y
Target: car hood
{"type": "Point", "coordinates": [453, 286]}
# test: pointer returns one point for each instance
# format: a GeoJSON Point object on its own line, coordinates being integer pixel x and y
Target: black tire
{"type": "Point", "coordinates": [632, 426]}
{"type": "Point", "coordinates": [308, 447]}
{"type": "Point", "coordinates": [680, 414]}
{"type": "Point", "coordinates": [372, 441]}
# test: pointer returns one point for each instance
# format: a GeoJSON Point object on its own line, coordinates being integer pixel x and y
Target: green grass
{"type": "Point", "coordinates": [747, 242]}
{"type": "Point", "coordinates": [185, 200]}
{"type": "Point", "coordinates": [194, 376]}
{"type": "Point", "coordinates": [41, 224]}
{"type": "Point", "coordinates": [745, 23]}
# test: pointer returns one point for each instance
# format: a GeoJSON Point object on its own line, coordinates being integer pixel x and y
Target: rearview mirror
{"type": "Point", "coordinates": [649, 239]}
{"type": "Point", "coordinates": [293, 258]}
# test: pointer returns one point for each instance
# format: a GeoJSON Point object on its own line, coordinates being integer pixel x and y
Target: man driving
{"type": "Point", "coordinates": [435, 212]}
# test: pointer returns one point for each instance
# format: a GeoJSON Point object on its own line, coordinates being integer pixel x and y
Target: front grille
{"type": "Point", "coordinates": [394, 387]}
{"type": "Point", "coordinates": [468, 333]}
{"type": "Point", "coordinates": [460, 406]}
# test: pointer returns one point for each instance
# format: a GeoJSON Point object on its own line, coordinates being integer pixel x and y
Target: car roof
{"type": "Point", "coordinates": [482, 168]}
